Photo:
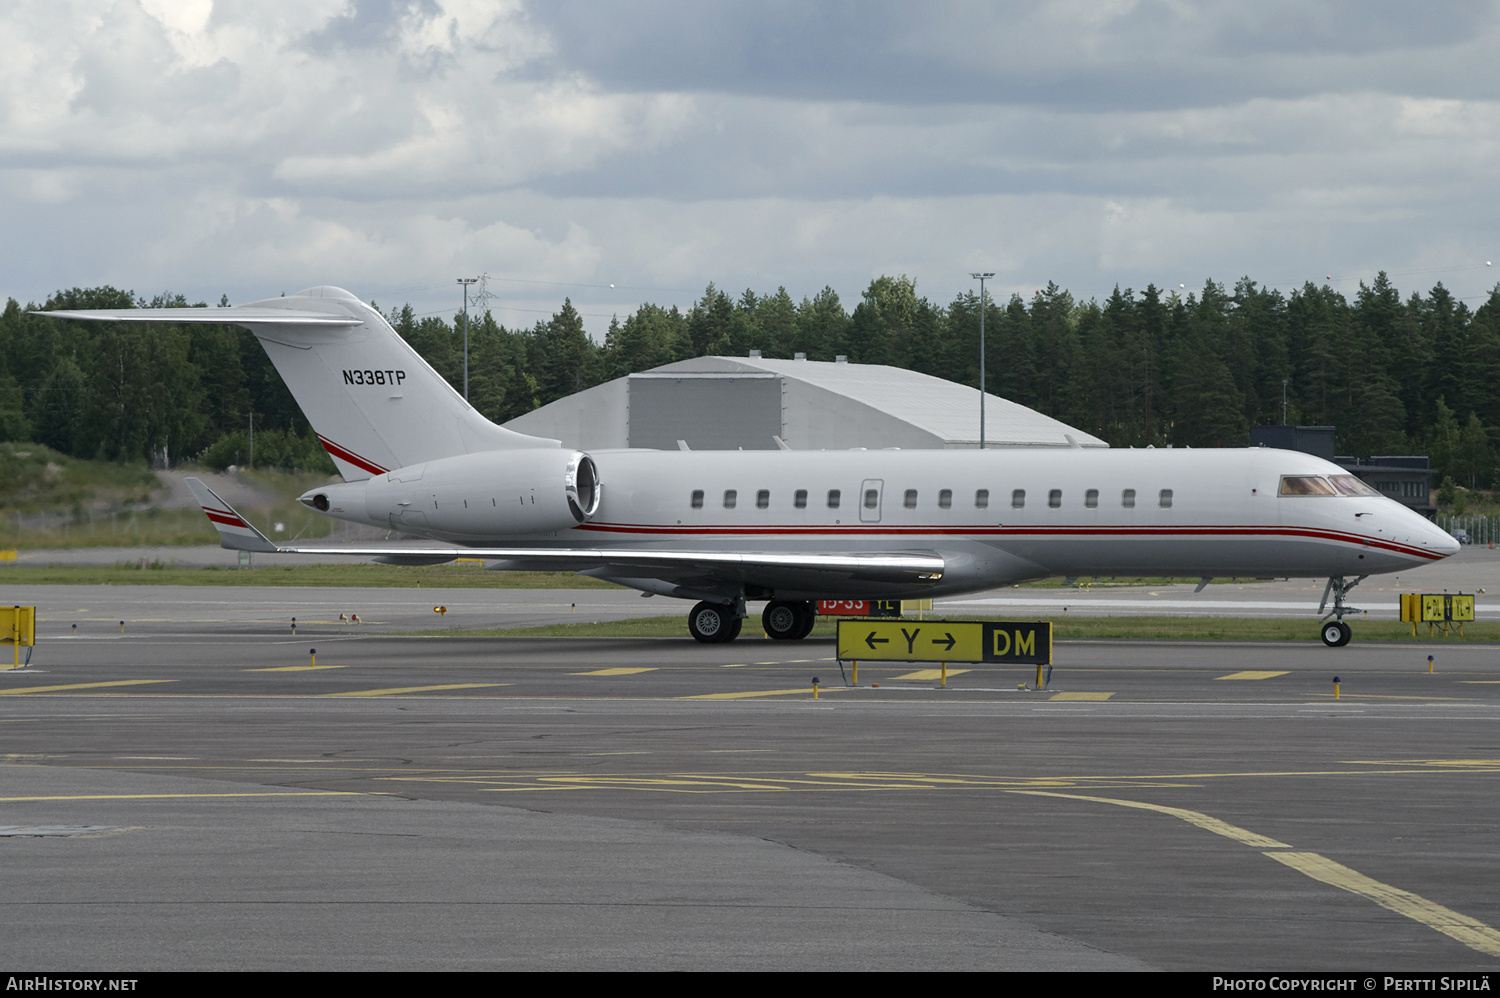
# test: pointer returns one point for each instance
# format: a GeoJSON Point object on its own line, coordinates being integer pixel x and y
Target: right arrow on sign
{"type": "Point", "coordinates": [951, 641]}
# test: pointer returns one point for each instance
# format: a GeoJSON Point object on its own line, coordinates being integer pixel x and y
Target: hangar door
{"type": "Point", "coordinates": [709, 411]}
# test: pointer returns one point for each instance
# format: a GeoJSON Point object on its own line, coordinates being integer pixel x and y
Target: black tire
{"type": "Point", "coordinates": [713, 623]}
{"type": "Point", "coordinates": [809, 618]}
{"type": "Point", "coordinates": [782, 620]}
{"type": "Point", "coordinates": [1336, 633]}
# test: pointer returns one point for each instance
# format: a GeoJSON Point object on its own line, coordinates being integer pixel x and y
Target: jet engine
{"type": "Point", "coordinates": [472, 496]}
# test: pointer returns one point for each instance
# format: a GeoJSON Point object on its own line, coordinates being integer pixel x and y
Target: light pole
{"type": "Point", "coordinates": [981, 278]}
{"type": "Point", "coordinates": [466, 281]}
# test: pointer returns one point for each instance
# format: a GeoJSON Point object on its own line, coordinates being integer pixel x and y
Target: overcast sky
{"type": "Point", "coordinates": [254, 147]}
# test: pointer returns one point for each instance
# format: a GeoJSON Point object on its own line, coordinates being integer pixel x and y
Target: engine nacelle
{"type": "Point", "coordinates": [472, 496]}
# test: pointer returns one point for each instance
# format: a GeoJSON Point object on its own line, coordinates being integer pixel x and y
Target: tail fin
{"type": "Point", "coordinates": [374, 402]}
{"type": "Point", "coordinates": [235, 532]}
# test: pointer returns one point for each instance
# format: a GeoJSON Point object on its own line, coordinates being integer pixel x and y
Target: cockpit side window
{"type": "Point", "coordinates": [1306, 485]}
{"type": "Point", "coordinates": [1349, 485]}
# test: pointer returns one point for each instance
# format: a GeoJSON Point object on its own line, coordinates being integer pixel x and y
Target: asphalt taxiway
{"type": "Point", "coordinates": [198, 792]}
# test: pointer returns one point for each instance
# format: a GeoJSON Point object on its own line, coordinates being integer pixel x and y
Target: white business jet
{"type": "Point", "coordinates": [791, 528]}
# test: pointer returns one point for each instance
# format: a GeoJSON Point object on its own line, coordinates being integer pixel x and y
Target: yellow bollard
{"type": "Point", "coordinates": [815, 687]}
{"type": "Point", "coordinates": [313, 653]}
{"type": "Point", "coordinates": [294, 627]}
{"type": "Point", "coordinates": [1429, 665]}
{"type": "Point", "coordinates": [122, 627]}
{"type": "Point", "coordinates": [1335, 687]}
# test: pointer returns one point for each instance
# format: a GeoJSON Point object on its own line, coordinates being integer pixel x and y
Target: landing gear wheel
{"type": "Point", "coordinates": [1336, 633]}
{"type": "Point", "coordinates": [809, 616]}
{"type": "Point", "coordinates": [713, 623]}
{"type": "Point", "coordinates": [782, 620]}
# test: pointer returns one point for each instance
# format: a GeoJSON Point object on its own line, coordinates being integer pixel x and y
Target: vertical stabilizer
{"type": "Point", "coordinates": [373, 401]}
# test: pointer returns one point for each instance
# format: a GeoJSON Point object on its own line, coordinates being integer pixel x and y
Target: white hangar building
{"type": "Point", "coordinates": [732, 403]}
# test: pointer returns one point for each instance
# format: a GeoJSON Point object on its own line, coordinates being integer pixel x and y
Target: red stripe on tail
{"type": "Point", "coordinates": [344, 454]}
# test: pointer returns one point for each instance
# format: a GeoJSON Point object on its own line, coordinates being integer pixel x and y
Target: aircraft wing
{"type": "Point", "coordinates": [236, 533]}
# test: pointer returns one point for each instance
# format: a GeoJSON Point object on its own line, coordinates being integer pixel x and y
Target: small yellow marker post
{"type": "Point", "coordinates": [574, 607]}
{"type": "Point", "coordinates": [294, 627]}
{"type": "Point", "coordinates": [122, 627]}
{"type": "Point", "coordinates": [1335, 687]}
{"type": "Point", "coordinates": [1429, 665]}
{"type": "Point", "coordinates": [313, 654]}
{"type": "Point", "coordinates": [815, 687]}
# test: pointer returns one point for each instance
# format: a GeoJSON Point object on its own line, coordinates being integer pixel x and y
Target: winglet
{"type": "Point", "coordinates": [235, 532]}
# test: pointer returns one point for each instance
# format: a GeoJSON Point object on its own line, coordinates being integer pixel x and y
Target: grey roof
{"type": "Point", "coordinates": [947, 410]}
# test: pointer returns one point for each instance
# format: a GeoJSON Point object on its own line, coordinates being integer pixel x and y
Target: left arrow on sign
{"type": "Point", "coordinates": [872, 640]}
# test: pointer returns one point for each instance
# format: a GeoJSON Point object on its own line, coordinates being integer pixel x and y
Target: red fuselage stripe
{"type": "Point", "coordinates": [1116, 532]}
{"type": "Point", "coordinates": [344, 454]}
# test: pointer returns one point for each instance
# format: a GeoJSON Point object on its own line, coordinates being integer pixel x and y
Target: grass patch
{"type": "Point", "coordinates": [1063, 629]}
{"type": "Point", "coordinates": [157, 573]}
{"type": "Point", "coordinates": [34, 477]}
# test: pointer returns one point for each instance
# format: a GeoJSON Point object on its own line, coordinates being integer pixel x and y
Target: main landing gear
{"type": "Point", "coordinates": [784, 620]}
{"type": "Point", "coordinates": [1336, 633]}
{"type": "Point", "coordinates": [715, 623]}
{"type": "Point", "coordinates": [788, 620]}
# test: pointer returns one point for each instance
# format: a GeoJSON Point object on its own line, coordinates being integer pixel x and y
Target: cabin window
{"type": "Point", "coordinates": [730, 498]}
{"type": "Point", "coordinates": [872, 498]}
{"type": "Point", "coordinates": [1127, 498]}
{"type": "Point", "coordinates": [763, 499]}
{"type": "Point", "coordinates": [833, 498]}
{"type": "Point", "coordinates": [909, 501]}
{"type": "Point", "coordinates": [1164, 499]}
{"type": "Point", "coordinates": [697, 498]}
{"type": "Point", "coordinates": [799, 499]}
{"type": "Point", "coordinates": [1091, 498]}
{"type": "Point", "coordinates": [1018, 499]}
{"type": "Point", "coordinates": [945, 499]}
{"type": "Point", "coordinates": [982, 499]}
{"type": "Point", "coordinates": [1054, 498]}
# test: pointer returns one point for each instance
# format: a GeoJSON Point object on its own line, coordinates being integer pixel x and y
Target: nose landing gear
{"type": "Point", "coordinates": [1336, 633]}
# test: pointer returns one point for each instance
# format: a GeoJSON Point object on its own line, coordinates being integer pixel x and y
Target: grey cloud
{"type": "Point", "coordinates": [1065, 55]}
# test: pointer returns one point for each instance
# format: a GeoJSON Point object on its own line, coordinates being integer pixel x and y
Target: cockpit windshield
{"type": "Point", "coordinates": [1306, 485]}
{"type": "Point", "coordinates": [1350, 486]}
{"type": "Point", "coordinates": [1317, 485]}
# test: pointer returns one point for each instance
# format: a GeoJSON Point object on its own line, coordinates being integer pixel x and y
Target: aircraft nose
{"type": "Point", "coordinates": [1443, 542]}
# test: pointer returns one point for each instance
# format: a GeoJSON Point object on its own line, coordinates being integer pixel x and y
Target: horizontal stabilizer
{"type": "Point", "coordinates": [235, 532]}
{"type": "Point", "coordinates": [241, 315]}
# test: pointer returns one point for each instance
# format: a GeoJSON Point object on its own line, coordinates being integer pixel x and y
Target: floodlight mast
{"type": "Point", "coordinates": [466, 281]}
{"type": "Point", "coordinates": [981, 277]}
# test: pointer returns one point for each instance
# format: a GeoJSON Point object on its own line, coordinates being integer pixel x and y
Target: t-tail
{"type": "Point", "coordinates": [373, 401]}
